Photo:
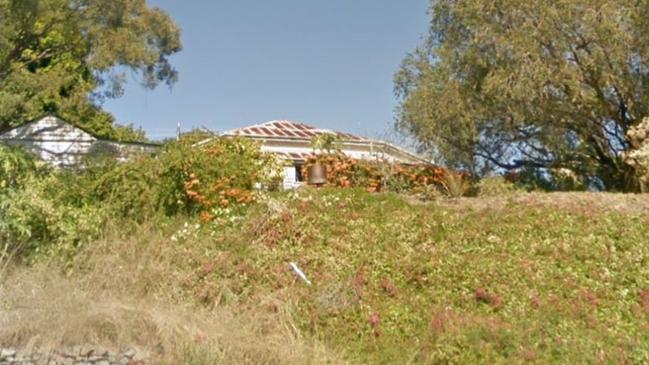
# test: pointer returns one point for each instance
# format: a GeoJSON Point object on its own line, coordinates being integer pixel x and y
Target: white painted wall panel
{"type": "Point", "coordinates": [62, 144]}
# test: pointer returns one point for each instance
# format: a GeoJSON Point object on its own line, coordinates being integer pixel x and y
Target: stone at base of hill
{"type": "Point", "coordinates": [76, 355]}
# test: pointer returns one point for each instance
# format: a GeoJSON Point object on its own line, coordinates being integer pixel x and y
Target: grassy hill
{"type": "Point", "coordinates": [520, 278]}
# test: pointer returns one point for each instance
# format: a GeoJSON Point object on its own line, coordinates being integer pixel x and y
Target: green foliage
{"type": "Point", "coordinates": [221, 172]}
{"type": "Point", "coordinates": [60, 56]}
{"type": "Point", "coordinates": [495, 186]}
{"type": "Point", "coordinates": [326, 142]}
{"type": "Point", "coordinates": [530, 85]}
{"type": "Point", "coordinates": [35, 222]}
{"type": "Point", "coordinates": [15, 166]}
{"type": "Point", "coordinates": [129, 189]}
{"type": "Point", "coordinates": [128, 133]}
{"type": "Point", "coordinates": [345, 172]}
{"type": "Point", "coordinates": [60, 211]}
{"type": "Point", "coordinates": [455, 185]}
{"type": "Point", "coordinates": [470, 282]}
{"type": "Point", "coordinates": [397, 283]}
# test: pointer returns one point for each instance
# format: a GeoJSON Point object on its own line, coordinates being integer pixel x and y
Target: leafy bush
{"type": "Point", "coordinates": [58, 212]}
{"type": "Point", "coordinates": [494, 186]}
{"type": "Point", "coordinates": [344, 171]}
{"type": "Point", "coordinates": [182, 178]}
{"type": "Point", "coordinates": [16, 165]}
{"type": "Point", "coordinates": [223, 172]}
{"type": "Point", "coordinates": [34, 221]}
{"type": "Point", "coordinates": [129, 190]}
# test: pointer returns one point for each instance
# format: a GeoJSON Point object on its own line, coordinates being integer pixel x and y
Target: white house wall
{"type": "Point", "coordinates": [61, 144]}
{"type": "Point", "coordinates": [48, 129]}
{"type": "Point", "coordinates": [51, 139]}
{"type": "Point", "coordinates": [363, 151]}
{"type": "Point", "coordinates": [358, 151]}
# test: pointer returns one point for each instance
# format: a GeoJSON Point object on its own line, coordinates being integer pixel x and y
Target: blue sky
{"type": "Point", "coordinates": [328, 63]}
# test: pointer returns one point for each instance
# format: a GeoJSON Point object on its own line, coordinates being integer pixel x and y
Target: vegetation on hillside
{"type": "Point", "coordinates": [517, 280]}
{"type": "Point", "coordinates": [183, 246]}
{"type": "Point", "coordinates": [193, 255]}
{"type": "Point", "coordinates": [57, 211]}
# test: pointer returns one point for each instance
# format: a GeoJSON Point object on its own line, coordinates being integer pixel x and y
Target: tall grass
{"type": "Point", "coordinates": [521, 278]}
{"type": "Point", "coordinates": [128, 293]}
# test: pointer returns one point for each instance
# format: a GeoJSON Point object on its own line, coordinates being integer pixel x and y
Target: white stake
{"type": "Point", "coordinates": [299, 273]}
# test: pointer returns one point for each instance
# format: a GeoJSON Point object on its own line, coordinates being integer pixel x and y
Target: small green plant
{"type": "Point", "coordinates": [455, 185]}
{"type": "Point", "coordinates": [495, 186]}
{"type": "Point", "coordinates": [326, 142]}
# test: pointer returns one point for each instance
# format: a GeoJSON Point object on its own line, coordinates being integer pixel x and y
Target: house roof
{"type": "Point", "coordinates": [289, 129]}
{"type": "Point", "coordinates": [17, 131]}
{"type": "Point", "coordinates": [284, 131]}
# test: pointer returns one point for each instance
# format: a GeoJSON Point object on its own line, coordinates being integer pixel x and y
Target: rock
{"type": "Point", "coordinates": [100, 351]}
{"type": "Point", "coordinates": [86, 351]}
{"type": "Point", "coordinates": [5, 353]}
{"type": "Point", "coordinates": [73, 351]}
{"type": "Point", "coordinates": [130, 353]}
{"type": "Point", "coordinates": [77, 355]}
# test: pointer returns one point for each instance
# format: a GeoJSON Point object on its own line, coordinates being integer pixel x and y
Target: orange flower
{"type": "Point", "coordinates": [206, 217]}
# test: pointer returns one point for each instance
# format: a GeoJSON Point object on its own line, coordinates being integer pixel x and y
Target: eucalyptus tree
{"type": "Point", "coordinates": [66, 56]}
{"type": "Point", "coordinates": [530, 85]}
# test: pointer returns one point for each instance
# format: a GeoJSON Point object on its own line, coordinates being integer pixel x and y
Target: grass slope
{"type": "Point", "coordinates": [517, 279]}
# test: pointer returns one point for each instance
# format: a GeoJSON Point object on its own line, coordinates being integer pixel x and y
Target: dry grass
{"type": "Point", "coordinates": [572, 202]}
{"type": "Point", "coordinates": [116, 299]}
{"type": "Point", "coordinates": [459, 285]}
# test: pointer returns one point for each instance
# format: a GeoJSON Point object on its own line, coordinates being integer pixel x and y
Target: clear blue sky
{"type": "Point", "coordinates": [328, 63]}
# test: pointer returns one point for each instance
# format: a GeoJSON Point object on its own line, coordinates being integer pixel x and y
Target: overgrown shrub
{"type": "Point", "coordinates": [182, 178]}
{"type": "Point", "coordinates": [59, 211]}
{"type": "Point", "coordinates": [344, 171]}
{"type": "Point", "coordinates": [35, 221]}
{"type": "Point", "coordinates": [455, 185]}
{"type": "Point", "coordinates": [128, 190]}
{"type": "Point", "coordinates": [221, 173]}
{"type": "Point", "coordinates": [494, 186]}
{"type": "Point", "coordinates": [16, 165]}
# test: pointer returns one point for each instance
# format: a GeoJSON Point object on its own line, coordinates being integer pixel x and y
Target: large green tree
{"type": "Point", "coordinates": [67, 56]}
{"type": "Point", "coordinates": [530, 85]}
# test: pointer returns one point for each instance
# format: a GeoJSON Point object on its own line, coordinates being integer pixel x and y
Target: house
{"type": "Point", "coordinates": [62, 144]}
{"type": "Point", "coordinates": [292, 140]}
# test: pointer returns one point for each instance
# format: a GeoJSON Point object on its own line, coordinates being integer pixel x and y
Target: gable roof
{"type": "Point", "coordinates": [48, 128]}
{"type": "Point", "coordinates": [288, 129]}
{"type": "Point", "coordinates": [53, 127]}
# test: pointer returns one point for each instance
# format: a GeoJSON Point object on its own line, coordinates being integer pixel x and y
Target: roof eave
{"type": "Point", "coordinates": [386, 145]}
